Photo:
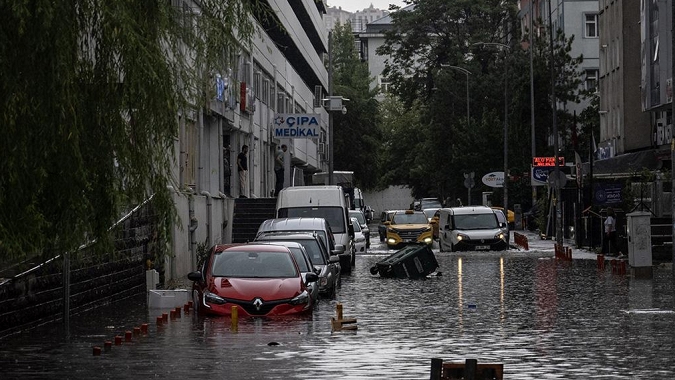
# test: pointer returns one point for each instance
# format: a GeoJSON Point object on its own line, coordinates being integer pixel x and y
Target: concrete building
{"type": "Point", "coordinates": [578, 18]}
{"type": "Point", "coordinates": [359, 19]}
{"type": "Point", "coordinates": [283, 72]}
{"type": "Point", "coordinates": [624, 127]}
{"type": "Point", "coordinates": [368, 42]}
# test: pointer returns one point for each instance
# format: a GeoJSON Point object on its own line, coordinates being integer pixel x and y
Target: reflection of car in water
{"type": "Point", "coordinates": [472, 228]}
{"type": "Point", "coordinates": [408, 227]}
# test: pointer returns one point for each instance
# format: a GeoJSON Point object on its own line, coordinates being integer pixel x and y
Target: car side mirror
{"type": "Point", "coordinates": [311, 277]}
{"type": "Point", "coordinates": [195, 276]}
{"type": "Point", "coordinates": [339, 248]}
{"type": "Point", "coordinates": [334, 259]}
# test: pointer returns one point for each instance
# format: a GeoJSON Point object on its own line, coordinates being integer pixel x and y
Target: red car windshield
{"type": "Point", "coordinates": [253, 264]}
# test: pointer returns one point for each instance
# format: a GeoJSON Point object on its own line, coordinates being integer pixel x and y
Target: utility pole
{"type": "Point", "coordinates": [330, 114]}
{"type": "Point", "coordinates": [554, 108]}
{"type": "Point", "coordinates": [534, 140]}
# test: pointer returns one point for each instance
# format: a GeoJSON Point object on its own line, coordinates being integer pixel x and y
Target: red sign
{"type": "Point", "coordinates": [547, 161]}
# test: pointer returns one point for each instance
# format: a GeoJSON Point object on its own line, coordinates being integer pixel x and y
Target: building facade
{"type": "Point", "coordinates": [359, 19]}
{"type": "Point", "coordinates": [283, 72]}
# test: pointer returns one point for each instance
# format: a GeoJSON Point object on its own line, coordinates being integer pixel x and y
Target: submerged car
{"type": "Point", "coordinates": [304, 264]}
{"type": "Point", "coordinates": [408, 227]}
{"type": "Point", "coordinates": [359, 238]}
{"type": "Point", "coordinates": [471, 228]}
{"type": "Point", "coordinates": [385, 217]}
{"type": "Point", "coordinates": [328, 266]}
{"type": "Point", "coordinates": [365, 230]}
{"type": "Point", "coordinates": [257, 279]}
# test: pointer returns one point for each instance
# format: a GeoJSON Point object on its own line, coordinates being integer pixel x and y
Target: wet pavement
{"type": "Point", "coordinates": [540, 317]}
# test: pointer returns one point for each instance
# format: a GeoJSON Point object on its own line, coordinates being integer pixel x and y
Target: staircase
{"type": "Point", "coordinates": [249, 213]}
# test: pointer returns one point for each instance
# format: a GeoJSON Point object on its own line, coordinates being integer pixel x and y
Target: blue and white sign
{"type": "Point", "coordinates": [297, 125]}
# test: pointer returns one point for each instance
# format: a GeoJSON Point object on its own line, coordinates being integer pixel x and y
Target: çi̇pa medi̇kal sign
{"type": "Point", "coordinates": [297, 125]}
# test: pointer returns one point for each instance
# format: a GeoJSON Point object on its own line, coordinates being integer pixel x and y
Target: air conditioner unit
{"type": "Point", "coordinates": [322, 148]}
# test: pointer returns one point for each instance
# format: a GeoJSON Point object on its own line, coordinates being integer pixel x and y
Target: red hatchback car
{"type": "Point", "coordinates": [259, 279]}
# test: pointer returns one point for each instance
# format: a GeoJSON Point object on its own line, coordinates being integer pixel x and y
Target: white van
{"type": "Point", "coordinates": [471, 228]}
{"type": "Point", "coordinates": [329, 202]}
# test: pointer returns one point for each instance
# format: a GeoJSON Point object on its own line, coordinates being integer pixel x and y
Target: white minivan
{"type": "Point", "coordinates": [329, 202]}
{"type": "Point", "coordinates": [470, 228]}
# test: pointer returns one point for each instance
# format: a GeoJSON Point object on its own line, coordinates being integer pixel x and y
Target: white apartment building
{"type": "Point", "coordinates": [283, 72]}
{"type": "Point", "coordinates": [358, 19]}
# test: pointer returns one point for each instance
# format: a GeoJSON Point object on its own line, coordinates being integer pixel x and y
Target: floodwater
{"type": "Point", "coordinates": [540, 317]}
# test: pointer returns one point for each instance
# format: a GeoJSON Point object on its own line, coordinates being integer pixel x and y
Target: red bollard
{"type": "Point", "coordinates": [137, 331]}
{"type": "Point", "coordinates": [97, 351]}
{"type": "Point", "coordinates": [160, 320]}
{"type": "Point", "coordinates": [127, 336]}
{"type": "Point", "coordinates": [107, 345]}
{"type": "Point", "coordinates": [118, 340]}
{"type": "Point", "coordinates": [601, 261]}
{"type": "Point", "coordinates": [178, 312]}
{"type": "Point", "coordinates": [144, 328]}
{"type": "Point", "coordinates": [165, 317]}
{"type": "Point", "coordinates": [186, 308]}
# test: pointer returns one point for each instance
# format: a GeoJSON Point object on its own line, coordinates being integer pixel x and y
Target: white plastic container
{"type": "Point", "coordinates": [167, 299]}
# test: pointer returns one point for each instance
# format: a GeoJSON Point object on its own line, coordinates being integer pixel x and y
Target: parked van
{"type": "Point", "coordinates": [471, 228]}
{"type": "Point", "coordinates": [329, 202]}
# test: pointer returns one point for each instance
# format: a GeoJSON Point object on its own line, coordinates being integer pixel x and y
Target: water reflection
{"type": "Point", "coordinates": [540, 317]}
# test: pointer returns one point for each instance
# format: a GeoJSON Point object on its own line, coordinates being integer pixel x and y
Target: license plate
{"type": "Point", "coordinates": [483, 247]}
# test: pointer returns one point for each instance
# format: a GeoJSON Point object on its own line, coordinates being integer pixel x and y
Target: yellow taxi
{"type": "Point", "coordinates": [511, 217]}
{"type": "Point", "coordinates": [409, 227]}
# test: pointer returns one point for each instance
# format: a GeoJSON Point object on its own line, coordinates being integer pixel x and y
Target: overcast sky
{"type": "Point", "coordinates": [358, 5]}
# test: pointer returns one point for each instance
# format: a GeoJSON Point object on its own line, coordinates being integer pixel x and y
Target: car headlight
{"type": "Point", "coordinates": [461, 237]}
{"type": "Point", "coordinates": [428, 240]}
{"type": "Point", "coordinates": [323, 281]}
{"type": "Point", "coordinates": [300, 299]}
{"type": "Point", "coordinates": [391, 241]}
{"type": "Point", "coordinates": [500, 235]}
{"type": "Point", "coordinates": [214, 298]}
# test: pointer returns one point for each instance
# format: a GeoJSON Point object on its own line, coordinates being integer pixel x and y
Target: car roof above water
{"type": "Point", "coordinates": [464, 210]}
{"type": "Point", "coordinates": [293, 224]}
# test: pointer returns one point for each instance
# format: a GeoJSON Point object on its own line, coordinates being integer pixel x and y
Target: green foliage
{"type": "Point", "coordinates": [356, 135]}
{"type": "Point", "coordinates": [90, 93]}
{"type": "Point", "coordinates": [442, 143]}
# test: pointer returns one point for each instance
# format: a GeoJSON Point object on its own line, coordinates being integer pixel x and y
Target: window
{"type": "Point", "coordinates": [592, 79]}
{"type": "Point", "coordinates": [384, 84]}
{"type": "Point", "coordinates": [591, 25]}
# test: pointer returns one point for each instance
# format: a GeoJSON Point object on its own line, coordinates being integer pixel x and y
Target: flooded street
{"type": "Point", "coordinates": [541, 317]}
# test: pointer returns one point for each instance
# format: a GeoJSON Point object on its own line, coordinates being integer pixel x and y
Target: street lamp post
{"type": "Point", "coordinates": [506, 123]}
{"type": "Point", "coordinates": [466, 72]}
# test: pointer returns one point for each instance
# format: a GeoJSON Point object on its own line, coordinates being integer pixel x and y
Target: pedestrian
{"type": "Point", "coordinates": [279, 169]}
{"type": "Point", "coordinates": [242, 164]}
{"type": "Point", "coordinates": [609, 241]}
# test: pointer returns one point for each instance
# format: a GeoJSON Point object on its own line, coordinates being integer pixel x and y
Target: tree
{"type": "Point", "coordinates": [474, 35]}
{"type": "Point", "coordinates": [90, 94]}
{"type": "Point", "coordinates": [356, 136]}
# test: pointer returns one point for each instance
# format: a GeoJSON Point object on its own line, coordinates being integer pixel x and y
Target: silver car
{"type": "Point", "coordinates": [328, 266]}
{"type": "Point", "coordinates": [358, 214]}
